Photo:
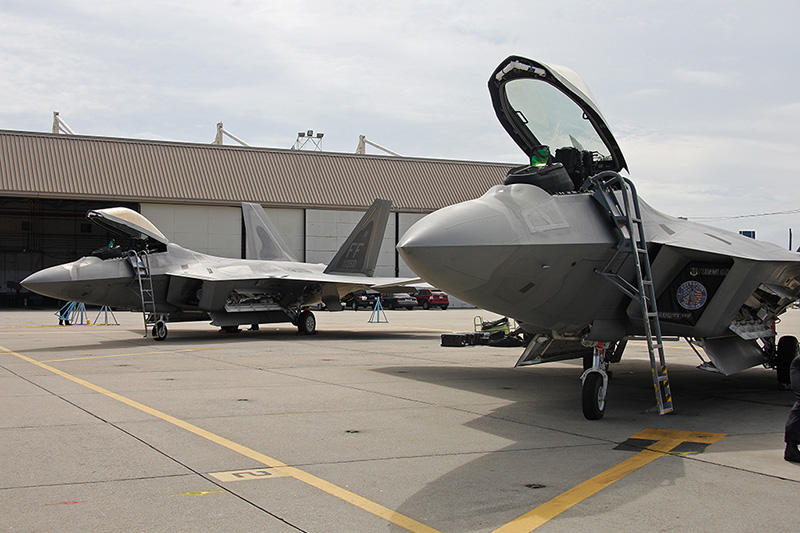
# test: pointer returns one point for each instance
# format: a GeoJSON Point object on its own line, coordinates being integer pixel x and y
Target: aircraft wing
{"type": "Point", "coordinates": [212, 283]}
{"type": "Point", "coordinates": [212, 287]}
{"type": "Point", "coordinates": [274, 272]}
{"type": "Point", "coordinates": [681, 233]}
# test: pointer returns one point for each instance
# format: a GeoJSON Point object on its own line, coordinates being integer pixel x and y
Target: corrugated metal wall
{"type": "Point", "coordinates": [61, 166]}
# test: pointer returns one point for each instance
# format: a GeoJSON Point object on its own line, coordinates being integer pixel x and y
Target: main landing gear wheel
{"type": "Point", "coordinates": [159, 331]}
{"type": "Point", "coordinates": [306, 323]}
{"type": "Point", "coordinates": [787, 350]}
{"type": "Point", "coordinates": [593, 396]}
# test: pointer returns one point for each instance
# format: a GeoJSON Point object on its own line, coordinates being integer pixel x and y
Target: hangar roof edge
{"type": "Point", "coordinates": [41, 164]}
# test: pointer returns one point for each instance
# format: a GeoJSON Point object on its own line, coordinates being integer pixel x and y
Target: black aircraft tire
{"type": "Point", "coordinates": [159, 331]}
{"type": "Point", "coordinates": [306, 323]}
{"type": "Point", "coordinates": [787, 350]}
{"type": "Point", "coordinates": [594, 407]}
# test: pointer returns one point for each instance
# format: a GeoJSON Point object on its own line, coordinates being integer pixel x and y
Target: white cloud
{"type": "Point", "coordinates": [705, 77]}
{"type": "Point", "coordinates": [697, 176]}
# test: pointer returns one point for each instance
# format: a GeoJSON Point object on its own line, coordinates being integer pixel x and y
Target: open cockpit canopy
{"type": "Point", "coordinates": [124, 221]}
{"type": "Point", "coordinates": [551, 114]}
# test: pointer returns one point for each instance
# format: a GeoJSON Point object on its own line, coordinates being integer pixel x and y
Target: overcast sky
{"type": "Point", "coordinates": [703, 97]}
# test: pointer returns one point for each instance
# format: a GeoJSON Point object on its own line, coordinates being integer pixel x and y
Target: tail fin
{"type": "Point", "coordinates": [359, 253]}
{"type": "Point", "coordinates": [262, 239]}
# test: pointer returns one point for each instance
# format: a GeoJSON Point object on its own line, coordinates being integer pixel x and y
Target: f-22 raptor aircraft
{"type": "Point", "coordinates": [170, 283]}
{"type": "Point", "coordinates": [565, 246]}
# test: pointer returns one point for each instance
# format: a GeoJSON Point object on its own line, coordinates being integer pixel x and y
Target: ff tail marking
{"type": "Point", "coordinates": [359, 253]}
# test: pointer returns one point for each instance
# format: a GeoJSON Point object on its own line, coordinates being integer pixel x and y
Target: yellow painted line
{"type": "Point", "coordinates": [126, 354]}
{"type": "Point", "coordinates": [667, 440]}
{"type": "Point", "coordinates": [334, 490]}
{"type": "Point", "coordinates": [198, 493]}
{"type": "Point", "coordinates": [684, 436]}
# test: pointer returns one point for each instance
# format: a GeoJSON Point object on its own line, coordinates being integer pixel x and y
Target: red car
{"type": "Point", "coordinates": [428, 298]}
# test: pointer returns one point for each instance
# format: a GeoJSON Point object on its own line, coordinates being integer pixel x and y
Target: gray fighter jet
{"type": "Point", "coordinates": [565, 246]}
{"type": "Point", "coordinates": [170, 283]}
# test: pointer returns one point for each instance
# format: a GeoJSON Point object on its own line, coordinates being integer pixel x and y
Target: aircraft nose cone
{"type": "Point", "coordinates": [457, 247]}
{"type": "Point", "coordinates": [89, 280]}
{"type": "Point", "coordinates": [50, 282]}
{"type": "Point", "coordinates": [464, 224]}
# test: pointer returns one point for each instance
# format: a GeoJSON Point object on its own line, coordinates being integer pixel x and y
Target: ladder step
{"type": "Point", "coordinates": [627, 219]}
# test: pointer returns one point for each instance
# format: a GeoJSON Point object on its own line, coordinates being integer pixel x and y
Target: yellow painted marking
{"type": "Point", "coordinates": [667, 440]}
{"type": "Point", "coordinates": [253, 473]}
{"type": "Point", "coordinates": [198, 493]}
{"type": "Point", "coordinates": [126, 355]}
{"type": "Point", "coordinates": [334, 490]}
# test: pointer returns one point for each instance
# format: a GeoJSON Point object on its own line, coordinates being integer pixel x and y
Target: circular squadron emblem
{"type": "Point", "coordinates": [692, 295]}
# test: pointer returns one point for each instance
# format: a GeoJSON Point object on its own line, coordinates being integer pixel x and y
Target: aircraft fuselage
{"type": "Point", "coordinates": [522, 252]}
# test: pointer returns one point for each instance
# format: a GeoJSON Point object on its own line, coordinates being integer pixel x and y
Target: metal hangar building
{"type": "Point", "coordinates": [193, 194]}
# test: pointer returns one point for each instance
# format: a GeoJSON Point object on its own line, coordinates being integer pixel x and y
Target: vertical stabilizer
{"type": "Point", "coordinates": [262, 239]}
{"type": "Point", "coordinates": [359, 253]}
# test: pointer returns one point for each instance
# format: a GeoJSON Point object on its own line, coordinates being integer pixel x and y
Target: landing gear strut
{"type": "Point", "coordinates": [595, 385]}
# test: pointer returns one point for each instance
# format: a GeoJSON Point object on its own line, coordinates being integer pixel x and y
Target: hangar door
{"type": "Point", "coordinates": [39, 233]}
{"type": "Point", "coordinates": [214, 230]}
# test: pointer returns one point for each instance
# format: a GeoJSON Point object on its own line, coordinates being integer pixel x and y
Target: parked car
{"type": "Point", "coordinates": [428, 298]}
{"type": "Point", "coordinates": [360, 298]}
{"type": "Point", "coordinates": [398, 299]}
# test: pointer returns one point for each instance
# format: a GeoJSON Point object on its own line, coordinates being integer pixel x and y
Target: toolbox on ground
{"type": "Point", "coordinates": [454, 339]}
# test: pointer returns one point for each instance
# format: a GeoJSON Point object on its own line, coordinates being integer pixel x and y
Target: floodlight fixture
{"type": "Point", "coordinates": [306, 137]}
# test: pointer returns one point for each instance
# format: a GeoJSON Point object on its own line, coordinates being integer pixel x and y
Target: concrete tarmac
{"type": "Point", "coordinates": [372, 427]}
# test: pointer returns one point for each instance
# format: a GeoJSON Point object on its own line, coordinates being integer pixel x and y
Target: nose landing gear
{"type": "Point", "coordinates": [595, 385]}
{"type": "Point", "coordinates": [159, 331]}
